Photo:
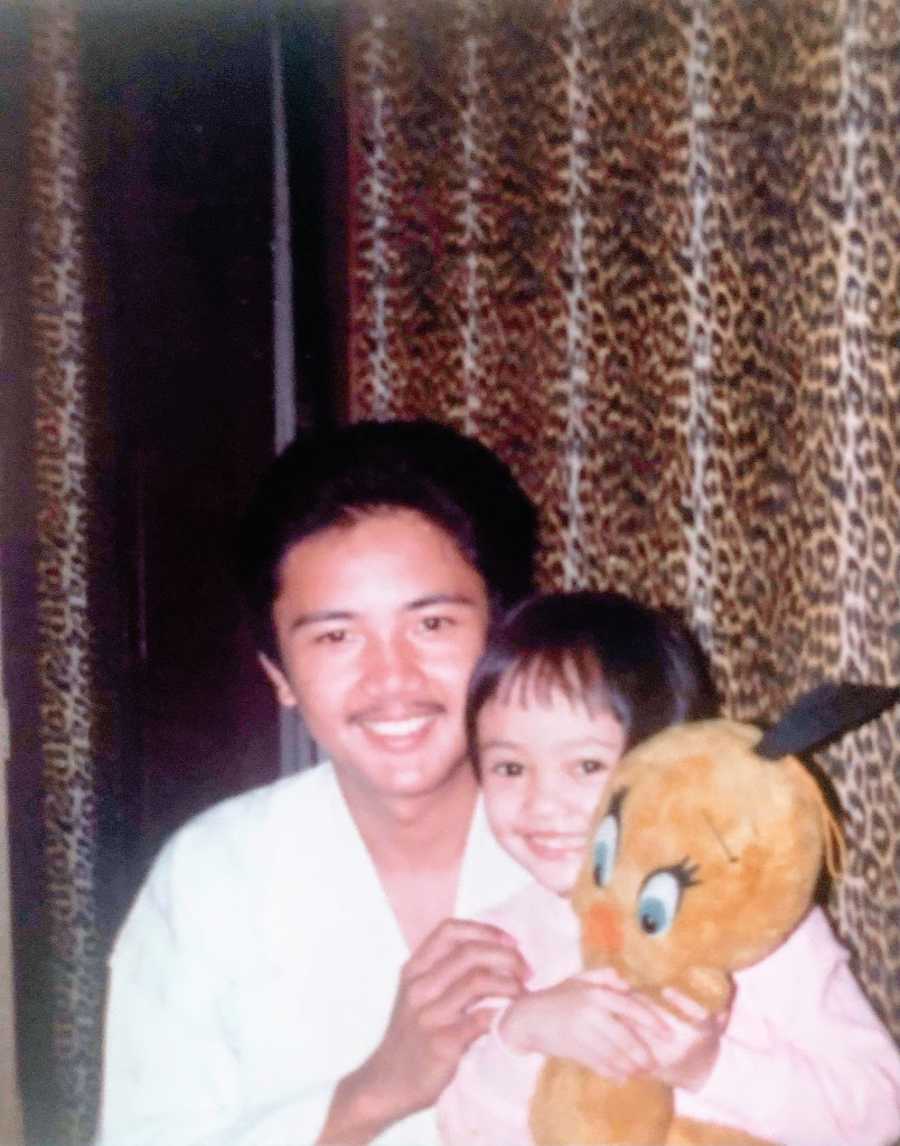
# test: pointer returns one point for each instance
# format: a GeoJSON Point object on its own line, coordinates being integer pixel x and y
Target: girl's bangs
{"type": "Point", "coordinates": [538, 676]}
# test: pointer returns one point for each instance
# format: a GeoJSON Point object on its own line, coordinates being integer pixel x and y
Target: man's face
{"type": "Point", "coordinates": [379, 624]}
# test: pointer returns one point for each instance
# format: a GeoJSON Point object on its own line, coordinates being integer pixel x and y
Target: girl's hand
{"type": "Point", "coordinates": [591, 1018]}
{"type": "Point", "coordinates": [685, 1055]}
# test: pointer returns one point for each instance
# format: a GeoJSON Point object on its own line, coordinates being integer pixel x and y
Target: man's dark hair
{"type": "Point", "coordinates": [602, 649]}
{"type": "Point", "coordinates": [330, 477]}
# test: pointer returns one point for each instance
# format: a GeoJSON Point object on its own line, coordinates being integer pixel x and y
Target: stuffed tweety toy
{"type": "Point", "coordinates": [705, 854]}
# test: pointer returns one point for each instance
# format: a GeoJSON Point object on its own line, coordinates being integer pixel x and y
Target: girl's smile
{"type": "Point", "coordinates": [544, 762]}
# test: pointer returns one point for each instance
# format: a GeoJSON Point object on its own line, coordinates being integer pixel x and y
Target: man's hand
{"type": "Point", "coordinates": [435, 1017]}
{"type": "Point", "coordinates": [592, 1019]}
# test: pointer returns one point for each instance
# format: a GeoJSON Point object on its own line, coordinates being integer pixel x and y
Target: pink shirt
{"type": "Point", "coordinates": [804, 1060]}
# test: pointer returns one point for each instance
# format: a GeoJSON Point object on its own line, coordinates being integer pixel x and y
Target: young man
{"type": "Point", "coordinates": [298, 967]}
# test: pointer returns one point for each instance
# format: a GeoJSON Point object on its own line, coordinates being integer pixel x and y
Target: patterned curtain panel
{"type": "Point", "coordinates": [649, 252]}
{"type": "Point", "coordinates": [10, 1108]}
{"type": "Point", "coordinates": [67, 551]}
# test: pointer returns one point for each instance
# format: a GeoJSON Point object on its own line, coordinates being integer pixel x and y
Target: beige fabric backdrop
{"type": "Point", "coordinates": [649, 252]}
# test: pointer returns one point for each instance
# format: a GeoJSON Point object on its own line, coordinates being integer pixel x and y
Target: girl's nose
{"type": "Point", "coordinates": [542, 795]}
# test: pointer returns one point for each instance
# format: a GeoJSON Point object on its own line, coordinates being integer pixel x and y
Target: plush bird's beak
{"type": "Point", "coordinates": [603, 928]}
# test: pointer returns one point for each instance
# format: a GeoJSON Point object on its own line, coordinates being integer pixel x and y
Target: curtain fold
{"type": "Point", "coordinates": [650, 253]}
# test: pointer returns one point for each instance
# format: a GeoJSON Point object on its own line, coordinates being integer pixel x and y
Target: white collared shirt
{"type": "Point", "coordinates": [258, 966]}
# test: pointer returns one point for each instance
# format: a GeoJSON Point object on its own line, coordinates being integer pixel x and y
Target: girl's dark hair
{"type": "Point", "coordinates": [331, 476]}
{"type": "Point", "coordinates": [603, 649]}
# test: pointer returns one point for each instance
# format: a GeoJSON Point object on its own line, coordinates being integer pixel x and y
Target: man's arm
{"type": "Point", "coordinates": [432, 1023]}
{"type": "Point", "coordinates": [184, 974]}
{"type": "Point", "coordinates": [174, 1069]}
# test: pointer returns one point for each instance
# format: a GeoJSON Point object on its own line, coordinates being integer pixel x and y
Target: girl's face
{"type": "Point", "coordinates": [544, 764]}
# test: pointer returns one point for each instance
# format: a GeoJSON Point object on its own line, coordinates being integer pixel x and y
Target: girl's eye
{"type": "Point", "coordinates": [589, 767]}
{"type": "Point", "coordinates": [507, 768]}
{"type": "Point", "coordinates": [658, 903]}
{"type": "Point", "coordinates": [606, 844]}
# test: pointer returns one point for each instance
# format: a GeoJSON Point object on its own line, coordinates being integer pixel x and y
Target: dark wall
{"type": "Point", "coordinates": [179, 140]}
{"type": "Point", "coordinates": [312, 39]}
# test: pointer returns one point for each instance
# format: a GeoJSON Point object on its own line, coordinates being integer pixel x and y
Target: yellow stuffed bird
{"type": "Point", "coordinates": [705, 855]}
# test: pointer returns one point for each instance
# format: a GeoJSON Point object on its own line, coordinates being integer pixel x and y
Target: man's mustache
{"type": "Point", "coordinates": [396, 710]}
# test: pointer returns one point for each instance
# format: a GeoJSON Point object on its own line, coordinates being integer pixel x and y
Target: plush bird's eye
{"type": "Point", "coordinates": [606, 841]}
{"type": "Point", "coordinates": [606, 845]}
{"type": "Point", "coordinates": [658, 903]}
{"type": "Point", "coordinates": [660, 897]}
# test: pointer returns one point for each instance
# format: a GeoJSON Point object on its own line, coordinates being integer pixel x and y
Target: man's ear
{"type": "Point", "coordinates": [279, 681]}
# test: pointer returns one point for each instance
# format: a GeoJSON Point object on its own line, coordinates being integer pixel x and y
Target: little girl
{"type": "Point", "coordinates": [566, 685]}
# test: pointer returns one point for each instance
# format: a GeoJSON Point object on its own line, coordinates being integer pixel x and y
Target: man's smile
{"type": "Point", "coordinates": [395, 728]}
{"type": "Point", "coordinates": [398, 727]}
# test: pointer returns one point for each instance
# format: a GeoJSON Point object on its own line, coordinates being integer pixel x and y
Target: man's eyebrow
{"type": "Point", "coordinates": [319, 616]}
{"type": "Point", "coordinates": [441, 599]}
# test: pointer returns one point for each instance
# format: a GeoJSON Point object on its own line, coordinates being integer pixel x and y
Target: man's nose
{"type": "Point", "coordinates": [390, 661]}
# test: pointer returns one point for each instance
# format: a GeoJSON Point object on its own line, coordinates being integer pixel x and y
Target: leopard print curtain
{"type": "Point", "coordinates": [64, 445]}
{"type": "Point", "coordinates": [649, 253]}
{"type": "Point", "coordinates": [10, 1107]}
